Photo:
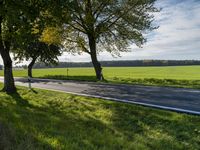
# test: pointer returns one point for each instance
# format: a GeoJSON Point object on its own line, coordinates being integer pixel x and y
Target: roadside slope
{"type": "Point", "coordinates": [177, 99]}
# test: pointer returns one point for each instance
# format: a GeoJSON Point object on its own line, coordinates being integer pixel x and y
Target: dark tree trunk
{"type": "Point", "coordinates": [30, 67]}
{"type": "Point", "coordinates": [9, 85]}
{"type": "Point", "coordinates": [95, 62]}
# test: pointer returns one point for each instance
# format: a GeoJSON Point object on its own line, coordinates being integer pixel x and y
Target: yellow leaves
{"type": "Point", "coordinates": [35, 31]}
{"type": "Point", "coordinates": [51, 35]}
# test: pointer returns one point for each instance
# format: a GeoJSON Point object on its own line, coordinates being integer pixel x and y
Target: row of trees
{"type": "Point", "coordinates": [120, 63]}
{"type": "Point", "coordinates": [41, 30]}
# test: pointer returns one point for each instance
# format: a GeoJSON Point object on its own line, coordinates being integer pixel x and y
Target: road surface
{"type": "Point", "coordinates": [177, 99]}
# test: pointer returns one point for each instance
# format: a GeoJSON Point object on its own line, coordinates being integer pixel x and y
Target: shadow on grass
{"type": "Point", "coordinates": [50, 126]}
{"type": "Point", "coordinates": [6, 138]}
{"type": "Point", "coordinates": [19, 100]}
{"type": "Point", "coordinates": [61, 121]}
{"type": "Point", "coordinates": [64, 77]}
{"type": "Point", "coordinates": [154, 128]}
{"type": "Point", "coordinates": [34, 91]}
{"type": "Point", "coordinates": [73, 78]}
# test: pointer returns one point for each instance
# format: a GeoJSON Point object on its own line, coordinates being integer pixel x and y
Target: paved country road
{"type": "Point", "coordinates": [177, 99]}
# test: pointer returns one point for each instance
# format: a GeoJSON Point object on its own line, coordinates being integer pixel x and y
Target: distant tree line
{"type": "Point", "coordinates": [125, 63]}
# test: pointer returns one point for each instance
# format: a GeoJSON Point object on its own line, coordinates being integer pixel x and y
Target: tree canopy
{"type": "Point", "coordinates": [18, 20]}
{"type": "Point", "coordinates": [38, 46]}
{"type": "Point", "coordinates": [108, 25]}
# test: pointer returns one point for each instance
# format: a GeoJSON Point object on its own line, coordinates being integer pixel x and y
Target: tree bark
{"type": "Point", "coordinates": [9, 84]}
{"type": "Point", "coordinates": [95, 62]}
{"type": "Point", "coordinates": [30, 67]}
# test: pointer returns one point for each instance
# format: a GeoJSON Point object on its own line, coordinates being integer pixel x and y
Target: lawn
{"type": "Point", "coordinates": [43, 119]}
{"type": "Point", "coordinates": [178, 76]}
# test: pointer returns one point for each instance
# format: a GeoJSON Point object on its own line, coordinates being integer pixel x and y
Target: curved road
{"type": "Point", "coordinates": [176, 99]}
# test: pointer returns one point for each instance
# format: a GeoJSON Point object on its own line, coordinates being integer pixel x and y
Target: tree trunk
{"type": "Point", "coordinates": [30, 67]}
{"type": "Point", "coordinates": [9, 85]}
{"type": "Point", "coordinates": [95, 62]}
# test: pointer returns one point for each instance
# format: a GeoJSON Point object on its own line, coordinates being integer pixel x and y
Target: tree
{"type": "Point", "coordinates": [111, 25]}
{"type": "Point", "coordinates": [15, 14]}
{"type": "Point", "coordinates": [7, 20]}
{"type": "Point", "coordinates": [43, 44]}
{"type": "Point", "coordinates": [38, 39]}
{"type": "Point", "coordinates": [38, 51]}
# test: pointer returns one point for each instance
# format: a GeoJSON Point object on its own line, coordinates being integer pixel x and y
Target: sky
{"type": "Point", "coordinates": [177, 38]}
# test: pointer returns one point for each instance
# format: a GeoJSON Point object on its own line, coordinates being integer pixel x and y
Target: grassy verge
{"type": "Point", "coordinates": [51, 120]}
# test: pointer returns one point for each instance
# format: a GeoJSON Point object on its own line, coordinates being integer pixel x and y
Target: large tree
{"type": "Point", "coordinates": [94, 26]}
{"type": "Point", "coordinates": [9, 85]}
{"type": "Point", "coordinates": [15, 15]}
{"type": "Point", "coordinates": [8, 17]}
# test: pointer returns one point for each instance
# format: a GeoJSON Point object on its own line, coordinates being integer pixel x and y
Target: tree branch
{"type": "Point", "coordinates": [110, 17]}
{"type": "Point", "coordinates": [77, 28]}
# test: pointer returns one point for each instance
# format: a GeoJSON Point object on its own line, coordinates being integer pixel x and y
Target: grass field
{"type": "Point", "coordinates": [179, 76]}
{"type": "Point", "coordinates": [50, 120]}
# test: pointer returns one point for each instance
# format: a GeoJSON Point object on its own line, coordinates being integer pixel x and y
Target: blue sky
{"type": "Point", "coordinates": [178, 36]}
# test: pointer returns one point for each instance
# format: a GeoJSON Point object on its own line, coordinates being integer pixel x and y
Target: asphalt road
{"type": "Point", "coordinates": [177, 99]}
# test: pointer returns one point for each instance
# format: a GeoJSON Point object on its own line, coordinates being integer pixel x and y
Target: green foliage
{"type": "Point", "coordinates": [39, 51]}
{"type": "Point", "coordinates": [34, 39]}
{"type": "Point", "coordinates": [50, 120]}
{"type": "Point", "coordinates": [114, 24]}
{"type": "Point", "coordinates": [16, 14]}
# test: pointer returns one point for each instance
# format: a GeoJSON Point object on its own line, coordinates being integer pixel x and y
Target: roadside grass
{"type": "Point", "coordinates": [160, 82]}
{"type": "Point", "coordinates": [175, 76]}
{"type": "Point", "coordinates": [42, 119]}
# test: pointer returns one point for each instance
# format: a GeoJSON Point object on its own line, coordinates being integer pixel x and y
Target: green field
{"type": "Point", "coordinates": [43, 119]}
{"type": "Point", "coordinates": [179, 76]}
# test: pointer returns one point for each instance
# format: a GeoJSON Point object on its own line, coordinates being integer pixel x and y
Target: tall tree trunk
{"type": "Point", "coordinates": [9, 84]}
{"type": "Point", "coordinates": [95, 62]}
{"type": "Point", "coordinates": [30, 67]}
{"type": "Point", "coordinates": [92, 41]}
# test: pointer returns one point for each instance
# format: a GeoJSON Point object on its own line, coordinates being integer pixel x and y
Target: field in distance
{"type": "Point", "coordinates": [178, 76]}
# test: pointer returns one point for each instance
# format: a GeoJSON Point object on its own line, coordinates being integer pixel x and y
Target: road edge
{"type": "Point", "coordinates": [180, 110]}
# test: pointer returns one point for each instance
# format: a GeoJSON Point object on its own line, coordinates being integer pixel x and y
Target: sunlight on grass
{"type": "Point", "coordinates": [52, 120]}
